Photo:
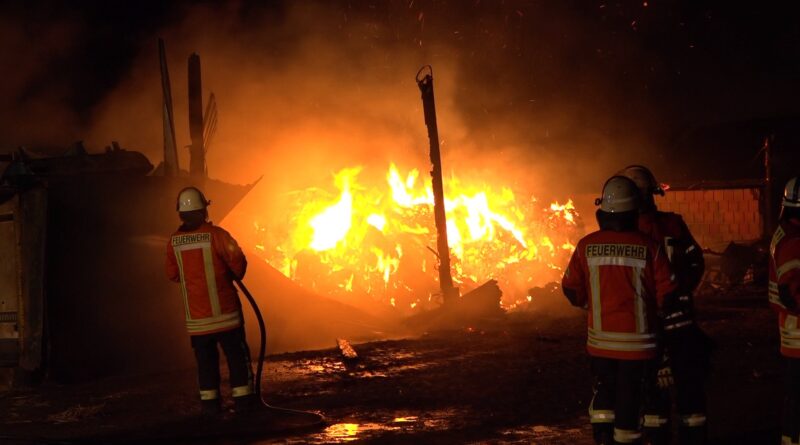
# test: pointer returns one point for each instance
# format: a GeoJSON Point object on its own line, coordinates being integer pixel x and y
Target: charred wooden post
{"type": "Point", "coordinates": [425, 83]}
{"type": "Point", "coordinates": [197, 154]}
{"type": "Point", "coordinates": [209, 123]}
{"type": "Point", "coordinates": [171, 167]}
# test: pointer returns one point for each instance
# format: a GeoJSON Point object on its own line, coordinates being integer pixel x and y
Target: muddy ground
{"type": "Point", "coordinates": [522, 379]}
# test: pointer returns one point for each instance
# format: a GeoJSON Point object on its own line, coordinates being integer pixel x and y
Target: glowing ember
{"type": "Point", "coordinates": [375, 240]}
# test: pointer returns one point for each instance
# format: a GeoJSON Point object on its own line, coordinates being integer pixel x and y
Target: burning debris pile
{"type": "Point", "coordinates": [379, 240]}
{"type": "Point", "coordinates": [372, 239]}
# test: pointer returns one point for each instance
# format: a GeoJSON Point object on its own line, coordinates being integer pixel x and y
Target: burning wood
{"type": "Point", "coordinates": [372, 243]}
{"type": "Point", "coordinates": [346, 349]}
{"type": "Point", "coordinates": [476, 307]}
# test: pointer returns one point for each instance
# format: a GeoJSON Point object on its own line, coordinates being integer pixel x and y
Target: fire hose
{"type": "Point", "coordinates": [262, 348]}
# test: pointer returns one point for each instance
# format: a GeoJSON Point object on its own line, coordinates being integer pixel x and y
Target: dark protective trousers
{"type": "Point", "coordinates": [790, 429]}
{"type": "Point", "coordinates": [615, 411]}
{"type": "Point", "coordinates": [689, 351]}
{"type": "Point", "coordinates": [234, 345]}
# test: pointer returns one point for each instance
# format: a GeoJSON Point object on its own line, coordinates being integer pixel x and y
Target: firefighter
{"type": "Point", "coordinates": [685, 357]}
{"type": "Point", "coordinates": [622, 277]}
{"type": "Point", "coordinates": [784, 297]}
{"type": "Point", "coordinates": [205, 259]}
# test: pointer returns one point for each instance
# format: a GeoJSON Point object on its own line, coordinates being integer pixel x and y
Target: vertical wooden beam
{"type": "Point", "coordinates": [197, 162]}
{"type": "Point", "coordinates": [425, 83]}
{"type": "Point", "coordinates": [171, 167]}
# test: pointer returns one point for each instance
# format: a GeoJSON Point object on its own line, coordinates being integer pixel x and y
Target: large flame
{"type": "Point", "coordinates": [378, 240]}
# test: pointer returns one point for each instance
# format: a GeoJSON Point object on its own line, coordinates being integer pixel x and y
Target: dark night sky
{"type": "Point", "coordinates": [661, 68]}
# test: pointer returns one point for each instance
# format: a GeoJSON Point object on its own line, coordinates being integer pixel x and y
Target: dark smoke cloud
{"type": "Point", "coordinates": [549, 88]}
{"type": "Point", "coordinates": [336, 82]}
{"type": "Point", "coordinates": [27, 93]}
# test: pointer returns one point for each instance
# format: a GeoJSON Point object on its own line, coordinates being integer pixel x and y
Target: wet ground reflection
{"type": "Point", "coordinates": [376, 425]}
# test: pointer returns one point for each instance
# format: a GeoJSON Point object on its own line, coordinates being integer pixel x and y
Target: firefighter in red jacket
{"type": "Point", "coordinates": [622, 277]}
{"type": "Point", "coordinates": [685, 359]}
{"type": "Point", "coordinates": [784, 297]}
{"type": "Point", "coordinates": [205, 259]}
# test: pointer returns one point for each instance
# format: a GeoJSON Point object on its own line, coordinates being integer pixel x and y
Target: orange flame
{"type": "Point", "coordinates": [375, 239]}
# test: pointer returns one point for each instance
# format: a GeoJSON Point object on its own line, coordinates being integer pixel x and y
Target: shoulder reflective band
{"type": "Point", "coordinates": [616, 261]}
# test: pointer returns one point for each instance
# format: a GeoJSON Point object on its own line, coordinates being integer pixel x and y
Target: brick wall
{"type": "Point", "coordinates": [717, 217]}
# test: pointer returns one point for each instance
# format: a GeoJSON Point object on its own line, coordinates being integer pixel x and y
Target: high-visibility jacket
{"type": "Point", "coordinates": [684, 253]}
{"type": "Point", "coordinates": [621, 278]}
{"type": "Point", "coordinates": [784, 285]}
{"type": "Point", "coordinates": [206, 261]}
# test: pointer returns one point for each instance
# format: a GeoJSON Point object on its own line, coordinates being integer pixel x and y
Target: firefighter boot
{"type": "Point", "coordinates": [246, 404]}
{"type": "Point", "coordinates": [210, 409]}
{"type": "Point", "coordinates": [693, 434]}
{"type": "Point", "coordinates": [603, 436]}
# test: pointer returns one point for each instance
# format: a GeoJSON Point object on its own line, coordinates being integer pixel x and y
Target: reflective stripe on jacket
{"type": "Point", "coordinates": [206, 261]}
{"type": "Point", "coordinates": [621, 278]}
{"type": "Point", "coordinates": [784, 278]}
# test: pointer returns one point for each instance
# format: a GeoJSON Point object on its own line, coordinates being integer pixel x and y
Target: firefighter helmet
{"type": "Point", "coordinates": [620, 194]}
{"type": "Point", "coordinates": [791, 194]}
{"type": "Point", "coordinates": [644, 179]}
{"type": "Point", "coordinates": [191, 198]}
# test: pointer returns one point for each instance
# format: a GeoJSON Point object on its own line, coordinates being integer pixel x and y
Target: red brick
{"type": "Point", "coordinates": [708, 195]}
{"type": "Point", "coordinates": [727, 204]}
{"type": "Point", "coordinates": [717, 195]}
